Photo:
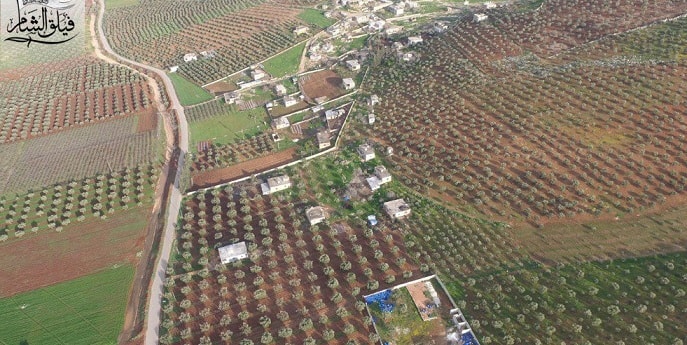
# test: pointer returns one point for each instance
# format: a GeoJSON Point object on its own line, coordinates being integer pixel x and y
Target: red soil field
{"type": "Point", "coordinates": [217, 176]}
{"type": "Point", "coordinates": [49, 258]}
{"type": "Point", "coordinates": [322, 84]}
{"type": "Point", "coordinates": [147, 122]}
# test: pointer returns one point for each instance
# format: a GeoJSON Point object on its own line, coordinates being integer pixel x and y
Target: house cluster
{"type": "Point", "coordinates": [318, 51]}
{"type": "Point", "coordinates": [380, 177]}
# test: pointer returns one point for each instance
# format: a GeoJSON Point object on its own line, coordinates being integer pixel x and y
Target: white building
{"type": "Point", "coordinates": [382, 174]}
{"type": "Point", "coordinates": [374, 99]}
{"type": "Point", "coordinates": [373, 182]}
{"type": "Point", "coordinates": [489, 5]}
{"type": "Point", "coordinates": [173, 69]}
{"type": "Point", "coordinates": [315, 215]}
{"type": "Point", "coordinates": [332, 114]}
{"type": "Point", "coordinates": [396, 209]}
{"type": "Point", "coordinates": [323, 140]}
{"type": "Point", "coordinates": [315, 57]}
{"type": "Point", "coordinates": [281, 122]}
{"type": "Point", "coordinates": [393, 29]}
{"type": "Point", "coordinates": [412, 40]}
{"type": "Point", "coordinates": [233, 252]}
{"type": "Point", "coordinates": [300, 30]}
{"type": "Point", "coordinates": [348, 84]}
{"type": "Point", "coordinates": [396, 10]}
{"type": "Point", "coordinates": [377, 25]}
{"type": "Point", "coordinates": [275, 184]}
{"type": "Point", "coordinates": [289, 101]}
{"type": "Point", "coordinates": [231, 97]}
{"type": "Point", "coordinates": [366, 152]}
{"type": "Point", "coordinates": [478, 17]}
{"type": "Point", "coordinates": [190, 57]}
{"type": "Point", "coordinates": [371, 118]}
{"type": "Point", "coordinates": [280, 90]}
{"type": "Point", "coordinates": [353, 65]}
{"type": "Point", "coordinates": [257, 74]}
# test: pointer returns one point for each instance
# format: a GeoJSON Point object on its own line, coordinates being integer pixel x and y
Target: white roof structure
{"type": "Point", "coordinates": [374, 183]}
{"type": "Point", "coordinates": [396, 208]}
{"type": "Point", "coordinates": [233, 252]}
{"type": "Point", "coordinates": [315, 215]}
{"type": "Point", "coordinates": [414, 40]}
{"type": "Point", "coordinates": [348, 83]}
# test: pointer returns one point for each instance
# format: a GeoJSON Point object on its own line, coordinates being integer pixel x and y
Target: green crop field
{"type": "Point", "coordinates": [285, 63]}
{"type": "Point", "coordinates": [229, 127]}
{"type": "Point", "coordinates": [188, 93]}
{"type": "Point", "coordinates": [315, 17]}
{"type": "Point", "coordinates": [88, 310]}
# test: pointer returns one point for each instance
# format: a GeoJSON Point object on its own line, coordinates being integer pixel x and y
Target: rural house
{"type": "Point", "coordinates": [173, 69]}
{"type": "Point", "coordinates": [190, 57]}
{"type": "Point", "coordinates": [275, 184]}
{"type": "Point", "coordinates": [348, 84]}
{"type": "Point", "coordinates": [280, 123]}
{"type": "Point", "coordinates": [353, 65]}
{"type": "Point", "coordinates": [323, 140]}
{"type": "Point", "coordinates": [366, 152]}
{"type": "Point", "coordinates": [233, 252]}
{"type": "Point", "coordinates": [373, 182]}
{"type": "Point", "coordinates": [374, 99]}
{"type": "Point", "coordinates": [332, 114]}
{"type": "Point", "coordinates": [315, 215]}
{"type": "Point", "coordinates": [257, 74]}
{"type": "Point", "coordinates": [413, 40]}
{"type": "Point", "coordinates": [280, 90]}
{"type": "Point", "coordinates": [382, 174]}
{"type": "Point", "coordinates": [371, 118]}
{"type": "Point", "coordinates": [289, 101]}
{"type": "Point", "coordinates": [396, 209]}
{"type": "Point", "coordinates": [300, 30]}
{"type": "Point", "coordinates": [231, 97]}
{"type": "Point", "coordinates": [393, 29]}
{"type": "Point", "coordinates": [396, 10]}
{"type": "Point", "coordinates": [478, 17]}
{"type": "Point", "coordinates": [377, 25]}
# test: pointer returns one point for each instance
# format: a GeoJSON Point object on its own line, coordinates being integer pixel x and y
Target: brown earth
{"type": "Point", "coordinates": [322, 84]}
{"type": "Point", "coordinates": [221, 87]}
{"type": "Point", "coordinates": [50, 258]}
{"type": "Point", "coordinates": [147, 122]}
{"type": "Point", "coordinates": [217, 176]}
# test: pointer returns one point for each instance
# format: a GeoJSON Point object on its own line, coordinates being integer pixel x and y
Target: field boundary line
{"type": "Point", "coordinates": [77, 313]}
{"type": "Point", "coordinates": [43, 327]}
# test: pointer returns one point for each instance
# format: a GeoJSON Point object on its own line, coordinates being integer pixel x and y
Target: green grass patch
{"type": "Point", "coordinates": [358, 42]}
{"type": "Point", "coordinates": [112, 4]}
{"type": "Point", "coordinates": [315, 17]}
{"type": "Point", "coordinates": [230, 127]}
{"type": "Point", "coordinates": [87, 310]}
{"type": "Point", "coordinates": [188, 92]}
{"type": "Point", "coordinates": [285, 63]}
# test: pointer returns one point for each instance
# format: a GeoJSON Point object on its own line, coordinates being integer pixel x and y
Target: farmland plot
{"type": "Point", "coordinates": [237, 33]}
{"type": "Point", "coordinates": [39, 101]}
{"type": "Point", "coordinates": [609, 136]}
{"type": "Point", "coordinates": [75, 154]}
{"type": "Point", "coordinates": [331, 264]}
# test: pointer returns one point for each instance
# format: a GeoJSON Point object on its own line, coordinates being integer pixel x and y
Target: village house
{"type": "Point", "coordinates": [376, 25]}
{"type": "Point", "coordinates": [382, 174]}
{"type": "Point", "coordinates": [396, 10]}
{"type": "Point", "coordinates": [300, 30]}
{"type": "Point", "coordinates": [280, 90]}
{"type": "Point", "coordinates": [489, 5]}
{"type": "Point", "coordinates": [332, 114]}
{"type": "Point", "coordinates": [360, 19]}
{"type": "Point", "coordinates": [366, 152]}
{"type": "Point", "coordinates": [371, 118]}
{"type": "Point", "coordinates": [233, 252]}
{"type": "Point", "coordinates": [173, 69]}
{"type": "Point", "coordinates": [315, 57]}
{"type": "Point", "coordinates": [281, 123]}
{"type": "Point", "coordinates": [478, 17]}
{"type": "Point", "coordinates": [315, 215]}
{"type": "Point", "coordinates": [231, 97]}
{"type": "Point", "coordinates": [396, 209]}
{"type": "Point", "coordinates": [353, 65]}
{"type": "Point", "coordinates": [190, 57]}
{"type": "Point", "coordinates": [373, 182]}
{"type": "Point", "coordinates": [411, 5]}
{"type": "Point", "coordinates": [408, 57]}
{"type": "Point", "coordinates": [413, 40]}
{"type": "Point", "coordinates": [374, 99]}
{"type": "Point", "coordinates": [334, 30]}
{"type": "Point", "coordinates": [323, 140]}
{"type": "Point", "coordinates": [328, 47]}
{"type": "Point", "coordinates": [317, 108]}
{"type": "Point", "coordinates": [348, 84]}
{"type": "Point", "coordinates": [440, 27]}
{"type": "Point", "coordinates": [393, 29]}
{"type": "Point", "coordinates": [275, 184]}
{"type": "Point", "coordinates": [289, 101]}
{"type": "Point", "coordinates": [257, 74]}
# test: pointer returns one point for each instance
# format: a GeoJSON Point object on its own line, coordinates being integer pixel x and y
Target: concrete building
{"type": "Point", "coordinates": [348, 84]}
{"type": "Point", "coordinates": [275, 184]}
{"type": "Point", "coordinates": [190, 57]}
{"type": "Point", "coordinates": [280, 90]}
{"type": "Point", "coordinates": [231, 97]}
{"type": "Point", "coordinates": [233, 252]}
{"type": "Point", "coordinates": [281, 123]}
{"type": "Point", "coordinates": [366, 152]}
{"type": "Point", "coordinates": [353, 65]}
{"type": "Point", "coordinates": [323, 140]}
{"type": "Point", "coordinates": [382, 174]}
{"type": "Point", "coordinates": [315, 215]}
{"type": "Point", "coordinates": [396, 209]}
{"type": "Point", "coordinates": [289, 101]}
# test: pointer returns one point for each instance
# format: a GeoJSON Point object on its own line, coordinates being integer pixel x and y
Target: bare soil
{"type": "Point", "coordinates": [321, 84]}
{"type": "Point", "coordinates": [247, 168]}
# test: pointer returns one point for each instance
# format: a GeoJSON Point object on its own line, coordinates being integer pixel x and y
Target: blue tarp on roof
{"type": "Point", "coordinates": [382, 298]}
{"type": "Point", "coordinates": [469, 339]}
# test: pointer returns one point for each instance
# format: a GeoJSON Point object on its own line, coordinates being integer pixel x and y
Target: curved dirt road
{"type": "Point", "coordinates": [156, 287]}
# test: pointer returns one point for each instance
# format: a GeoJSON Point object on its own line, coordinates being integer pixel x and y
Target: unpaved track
{"type": "Point", "coordinates": [166, 187]}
